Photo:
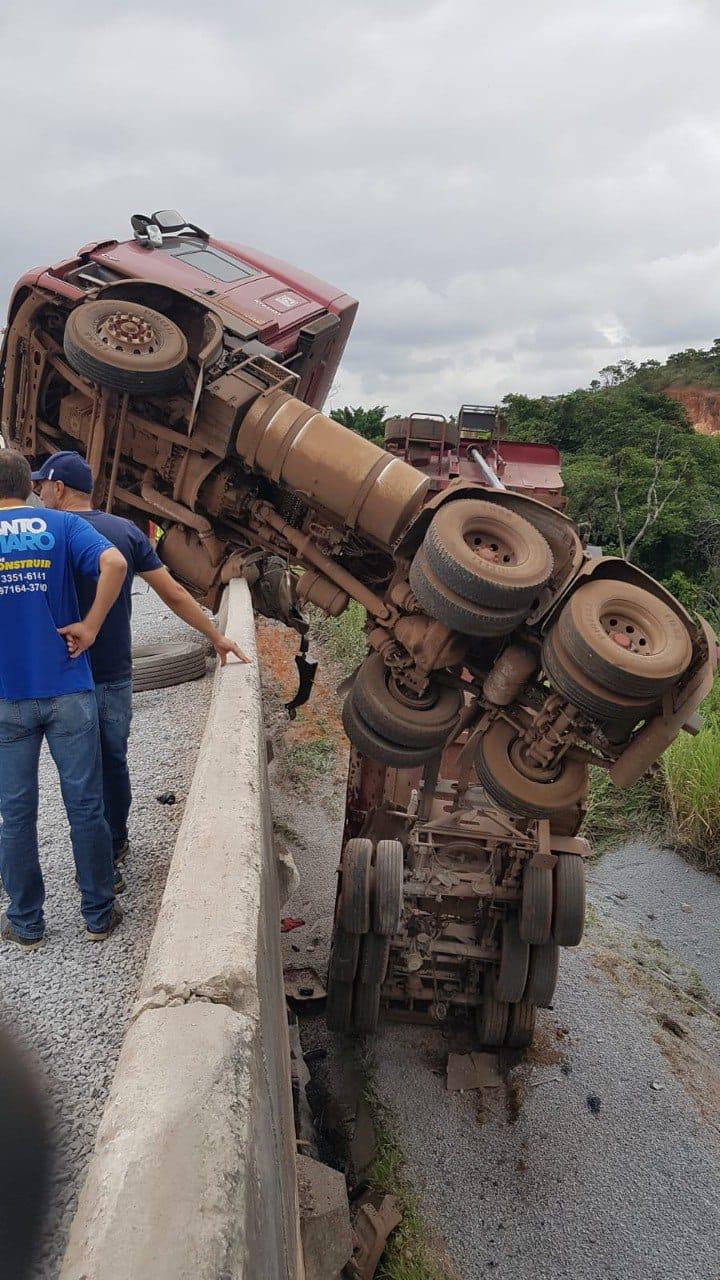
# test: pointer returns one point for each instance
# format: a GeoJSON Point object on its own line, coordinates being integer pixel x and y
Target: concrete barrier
{"type": "Point", "coordinates": [193, 1175]}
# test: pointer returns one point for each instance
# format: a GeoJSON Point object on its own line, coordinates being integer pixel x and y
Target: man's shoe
{"type": "Point", "coordinates": [100, 935]}
{"type": "Point", "coordinates": [121, 853]}
{"type": "Point", "coordinates": [119, 885]}
{"type": "Point", "coordinates": [9, 934]}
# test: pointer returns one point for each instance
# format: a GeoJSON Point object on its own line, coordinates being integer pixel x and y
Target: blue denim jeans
{"type": "Point", "coordinates": [70, 725]}
{"type": "Point", "coordinates": [114, 704]}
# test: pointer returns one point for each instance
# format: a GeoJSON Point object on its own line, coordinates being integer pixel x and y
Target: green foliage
{"type": "Point", "coordinates": [626, 445]}
{"type": "Point", "coordinates": [306, 761]}
{"type": "Point", "coordinates": [680, 805]}
{"type": "Point", "coordinates": [343, 638]}
{"type": "Point", "coordinates": [367, 422]}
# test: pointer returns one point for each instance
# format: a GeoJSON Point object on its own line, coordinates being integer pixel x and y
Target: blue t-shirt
{"type": "Point", "coordinates": [43, 557]}
{"type": "Point", "coordinates": [111, 654]}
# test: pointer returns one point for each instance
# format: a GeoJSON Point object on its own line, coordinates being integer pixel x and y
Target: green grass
{"type": "Point", "coordinates": [691, 774]}
{"type": "Point", "coordinates": [411, 1253]}
{"type": "Point", "coordinates": [680, 805]}
{"type": "Point", "coordinates": [305, 762]}
{"type": "Point", "coordinates": [343, 638]}
{"type": "Point", "coordinates": [614, 814]}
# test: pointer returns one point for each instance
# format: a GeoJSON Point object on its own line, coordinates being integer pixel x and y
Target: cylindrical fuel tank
{"type": "Point", "coordinates": [299, 447]}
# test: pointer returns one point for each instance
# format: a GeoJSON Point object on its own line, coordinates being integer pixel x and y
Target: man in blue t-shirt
{"type": "Point", "coordinates": [66, 484]}
{"type": "Point", "coordinates": [46, 691]}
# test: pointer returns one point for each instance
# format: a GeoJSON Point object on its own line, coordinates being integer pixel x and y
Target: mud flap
{"type": "Point", "coordinates": [307, 670]}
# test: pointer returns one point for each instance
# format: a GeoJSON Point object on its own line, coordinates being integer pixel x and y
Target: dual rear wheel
{"type": "Point", "coordinates": [368, 914]}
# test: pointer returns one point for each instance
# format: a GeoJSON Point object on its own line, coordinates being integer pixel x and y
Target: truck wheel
{"type": "Point", "coordinates": [603, 617]}
{"type": "Point", "coordinates": [542, 974]}
{"type": "Point", "coordinates": [159, 666]}
{"type": "Point", "coordinates": [575, 685]}
{"type": "Point", "coordinates": [514, 959]}
{"type": "Point", "coordinates": [366, 1007]}
{"type": "Point", "coordinates": [355, 891]}
{"type": "Point", "coordinates": [491, 1018]}
{"type": "Point", "coordinates": [537, 904]}
{"type": "Point", "coordinates": [487, 554]}
{"type": "Point", "coordinates": [344, 955]}
{"type": "Point", "coordinates": [453, 610]}
{"type": "Point", "coordinates": [387, 894]}
{"type": "Point", "coordinates": [396, 714]}
{"type": "Point", "coordinates": [521, 1025]}
{"type": "Point", "coordinates": [497, 769]}
{"type": "Point", "coordinates": [569, 906]}
{"type": "Point", "coordinates": [371, 744]}
{"type": "Point", "coordinates": [374, 957]}
{"type": "Point", "coordinates": [338, 1005]}
{"type": "Point", "coordinates": [125, 347]}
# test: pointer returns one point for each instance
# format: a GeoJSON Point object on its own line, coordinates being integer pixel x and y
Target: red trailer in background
{"type": "Point", "coordinates": [473, 447]}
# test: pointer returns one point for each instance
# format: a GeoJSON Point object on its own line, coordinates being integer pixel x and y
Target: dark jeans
{"type": "Point", "coordinates": [114, 704]}
{"type": "Point", "coordinates": [70, 724]}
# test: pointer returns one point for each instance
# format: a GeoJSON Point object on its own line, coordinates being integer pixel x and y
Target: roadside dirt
{"type": "Point", "coordinates": [599, 1157]}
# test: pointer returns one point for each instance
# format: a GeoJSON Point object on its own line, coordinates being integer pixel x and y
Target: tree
{"type": "Point", "coordinates": [652, 506]}
{"type": "Point", "coordinates": [366, 422]}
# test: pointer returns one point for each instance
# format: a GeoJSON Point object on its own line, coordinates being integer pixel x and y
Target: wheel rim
{"type": "Point", "coordinates": [510, 788]}
{"type": "Point", "coordinates": [408, 698]}
{"type": "Point", "coordinates": [491, 547]}
{"type": "Point", "coordinates": [128, 334]}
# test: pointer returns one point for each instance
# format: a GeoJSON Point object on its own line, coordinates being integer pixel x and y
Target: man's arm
{"type": "Point", "coordinates": [182, 604]}
{"type": "Point", "coordinates": [79, 636]}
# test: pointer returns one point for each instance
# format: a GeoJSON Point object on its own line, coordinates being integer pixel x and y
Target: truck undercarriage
{"type": "Point", "coordinates": [502, 659]}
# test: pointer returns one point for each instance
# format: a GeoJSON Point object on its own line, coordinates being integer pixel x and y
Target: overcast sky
{"type": "Point", "coordinates": [518, 193]}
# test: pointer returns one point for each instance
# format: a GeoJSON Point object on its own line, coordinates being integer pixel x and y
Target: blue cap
{"type": "Point", "coordinates": [69, 467]}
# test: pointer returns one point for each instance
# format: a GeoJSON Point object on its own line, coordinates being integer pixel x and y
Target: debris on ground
{"type": "Point", "coordinates": [288, 923]}
{"type": "Point", "coordinates": [472, 1071]}
{"type": "Point", "coordinates": [302, 985]}
{"type": "Point", "coordinates": [166, 797]}
{"type": "Point", "coordinates": [374, 1216]}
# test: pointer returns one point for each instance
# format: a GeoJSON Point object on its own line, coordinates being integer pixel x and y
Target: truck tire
{"type": "Point", "coordinates": [491, 1018]}
{"type": "Point", "coordinates": [511, 790]}
{"type": "Point", "coordinates": [425, 723]}
{"type": "Point", "coordinates": [450, 608]}
{"type": "Point", "coordinates": [344, 955]}
{"type": "Point", "coordinates": [387, 893]}
{"type": "Point", "coordinates": [537, 904]}
{"type": "Point", "coordinates": [569, 900]}
{"type": "Point", "coordinates": [370, 744]}
{"type": "Point", "coordinates": [542, 974]}
{"type": "Point", "coordinates": [463, 530]}
{"type": "Point", "coordinates": [158, 666]}
{"type": "Point", "coordinates": [521, 1025]}
{"type": "Point", "coordinates": [511, 976]}
{"type": "Point", "coordinates": [125, 346]}
{"type": "Point", "coordinates": [374, 957]}
{"type": "Point", "coordinates": [354, 914]}
{"type": "Point", "coordinates": [338, 1005]}
{"type": "Point", "coordinates": [662, 647]}
{"type": "Point", "coordinates": [583, 692]}
{"type": "Point", "coordinates": [366, 1007]}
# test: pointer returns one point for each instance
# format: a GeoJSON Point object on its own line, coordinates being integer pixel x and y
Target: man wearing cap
{"type": "Point", "coordinates": [66, 484]}
{"type": "Point", "coordinates": [46, 691]}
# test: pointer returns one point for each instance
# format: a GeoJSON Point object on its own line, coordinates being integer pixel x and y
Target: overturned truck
{"type": "Point", "coordinates": [502, 660]}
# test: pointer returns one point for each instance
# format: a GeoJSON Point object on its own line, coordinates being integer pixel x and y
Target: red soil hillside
{"type": "Point", "coordinates": [701, 405]}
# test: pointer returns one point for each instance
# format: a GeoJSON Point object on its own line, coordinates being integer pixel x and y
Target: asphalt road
{"type": "Point", "coordinates": [599, 1157]}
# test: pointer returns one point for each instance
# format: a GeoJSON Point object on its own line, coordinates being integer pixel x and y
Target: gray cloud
{"type": "Point", "coordinates": [517, 194]}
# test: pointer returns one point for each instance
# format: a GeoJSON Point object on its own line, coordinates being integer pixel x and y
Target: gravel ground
{"type": "Point", "coordinates": [658, 892]}
{"type": "Point", "coordinates": [69, 1001]}
{"type": "Point", "coordinates": [599, 1157]}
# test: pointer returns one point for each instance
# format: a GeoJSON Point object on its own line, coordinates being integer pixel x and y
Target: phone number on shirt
{"type": "Point", "coordinates": [15, 587]}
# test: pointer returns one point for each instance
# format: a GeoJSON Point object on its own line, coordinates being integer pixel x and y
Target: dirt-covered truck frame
{"type": "Point", "coordinates": [502, 660]}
